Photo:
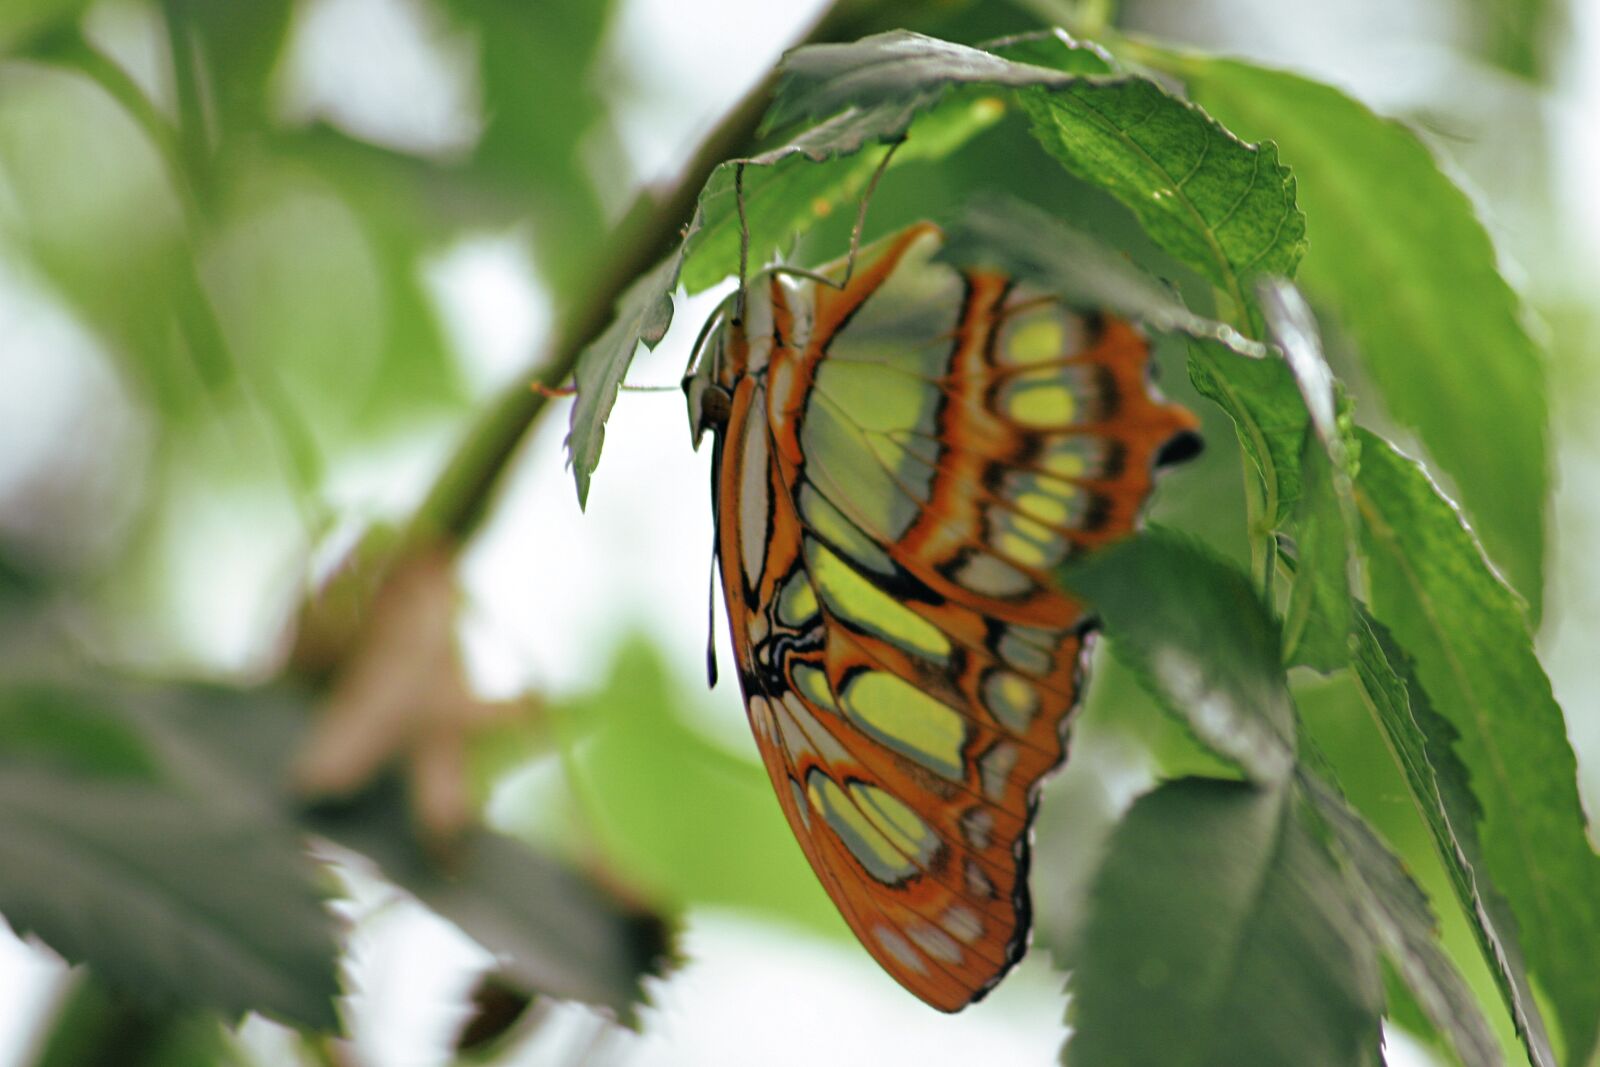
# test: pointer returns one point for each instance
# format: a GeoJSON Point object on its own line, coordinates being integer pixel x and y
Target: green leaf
{"type": "Point", "coordinates": [1220, 933]}
{"type": "Point", "coordinates": [1026, 242]}
{"type": "Point", "coordinates": [24, 22]}
{"type": "Point", "coordinates": [1399, 915]}
{"type": "Point", "coordinates": [1402, 261]}
{"type": "Point", "coordinates": [1321, 609]}
{"type": "Point", "coordinates": [1270, 418]}
{"type": "Point", "coordinates": [1424, 744]}
{"type": "Point", "coordinates": [1444, 603]}
{"type": "Point", "coordinates": [553, 929]}
{"type": "Point", "coordinates": [1217, 204]}
{"type": "Point", "coordinates": [643, 314]}
{"type": "Point", "coordinates": [172, 901]}
{"type": "Point", "coordinates": [823, 169]}
{"type": "Point", "coordinates": [1200, 640]}
{"type": "Point", "coordinates": [46, 725]}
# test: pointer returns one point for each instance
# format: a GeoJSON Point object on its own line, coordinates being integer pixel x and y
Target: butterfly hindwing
{"type": "Point", "coordinates": [904, 461]}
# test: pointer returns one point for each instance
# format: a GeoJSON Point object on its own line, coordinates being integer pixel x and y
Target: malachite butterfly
{"type": "Point", "coordinates": [903, 453]}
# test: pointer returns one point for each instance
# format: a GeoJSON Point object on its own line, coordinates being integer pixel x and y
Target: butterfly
{"type": "Point", "coordinates": [903, 453]}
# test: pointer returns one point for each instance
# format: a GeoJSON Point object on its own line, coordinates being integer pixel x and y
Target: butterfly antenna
{"type": "Point", "coordinates": [861, 210]}
{"type": "Point", "coordinates": [711, 620]}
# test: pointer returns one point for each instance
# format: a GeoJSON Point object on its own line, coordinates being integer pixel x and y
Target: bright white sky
{"type": "Point", "coordinates": [551, 590]}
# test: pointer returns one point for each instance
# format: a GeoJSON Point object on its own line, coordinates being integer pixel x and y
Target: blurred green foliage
{"type": "Point", "coordinates": [242, 360]}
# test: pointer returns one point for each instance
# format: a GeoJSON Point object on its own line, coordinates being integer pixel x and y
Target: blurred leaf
{"type": "Point", "coordinates": [1433, 589]}
{"type": "Point", "coordinates": [1026, 242]}
{"type": "Point", "coordinates": [1321, 609]}
{"type": "Point", "coordinates": [93, 1028]}
{"type": "Point", "coordinates": [1403, 262]}
{"type": "Point", "coordinates": [68, 730]}
{"type": "Point", "coordinates": [678, 814]}
{"type": "Point", "coordinates": [172, 901]}
{"type": "Point", "coordinates": [1404, 925]}
{"type": "Point", "coordinates": [240, 45]}
{"type": "Point", "coordinates": [541, 100]}
{"type": "Point", "coordinates": [1220, 934]}
{"type": "Point", "coordinates": [1520, 35]}
{"type": "Point", "coordinates": [24, 21]}
{"type": "Point", "coordinates": [1198, 637]}
{"type": "Point", "coordinates": [552, 929]}
{"type": "Point", "coordinates": [1441, 789]}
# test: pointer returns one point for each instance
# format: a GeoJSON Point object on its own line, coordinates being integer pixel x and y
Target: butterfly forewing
{"type": "Point", "coordinates": [905, 460]}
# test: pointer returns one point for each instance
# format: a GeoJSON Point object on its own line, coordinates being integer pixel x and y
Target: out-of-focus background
{"type": "Point", "coordinates": [264, 265]}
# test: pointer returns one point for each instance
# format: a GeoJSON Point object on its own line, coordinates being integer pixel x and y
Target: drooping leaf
{"type": "Point", "coordinates": [1400, 257]}
{"type": "Point", "coordinates": [1444, 603]}
{"type": "Point", "coordinates": [1321, 609]}
{"type": "Point", "coordinates": [1220, 933]}
{"type": "Point", "coordinates": [1441, 788]}
{"type": "Point", "coordinates": [1404, 925]}
{"type": "Point", "coordinates": [1200, 640]}
{"type": "Point", "coordinates": [643, 314]}
{"type": "Point", "coordinates": [170, 900]}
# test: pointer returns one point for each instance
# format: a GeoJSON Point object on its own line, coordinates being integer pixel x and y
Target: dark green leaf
{"type": "Point", "coordinates": [170, 900]}
{"type": "Point", "coordinates": [1199, 638]}
{"type": "Point", "coordinates": [1441, 599]}
{"type": "Point", "coordinates": [1220, 934]}
{"type": "Point", "coordinates": [1223, 207]}
{"type": "Point", "coordinates": [46, 725]}
{"type": "Point", "coordinates": [1321, 607]}
{"type": "Point", "coordinates": [1404, 925]}
{"type": "Point", "coordinates": [1440, 785]}
{"type": "Point", "coordinates": [1024, 241]}
{"type": "Point", "coordinates": [1402, 260]}
{"type": "Point", "coordinates": [1269, 416]}
{"type": "Point", "coordinates": [553, 929]}
{"type": "Point", "coordinates": [22, 22]}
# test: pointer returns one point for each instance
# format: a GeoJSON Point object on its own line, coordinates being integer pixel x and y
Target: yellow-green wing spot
{"type": "Point", "coordinates": [891, 841]}
{"type": "Point", "coordinates": [812, 682]}
{"type": "Point", "coordinates": [797, 601]}
{"type": "Point", "coordinates": [854, 600]}
{"type": "Point", "coordinates": [829, 523]}
{"type": "Point", "coordinates": [1010, 698]}
{"type": "Point", "coordinates": [907, 720]}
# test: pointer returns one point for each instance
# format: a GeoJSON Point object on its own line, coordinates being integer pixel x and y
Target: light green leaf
{"type": "Point", "coordinates": [1424, 744]}
{"type": "Point", "coordinates": [1401, 259]}
{"type": "Point", "coordinates": [172, 901]}
{"type": "Point", "coordinates": [1200, 640]}
{"type": "Point", "coordinates": [1434, 590]}
{"type": "Point", "coordinates": [1399, 915]}
{"type": "Point", "coordinates": [1220, 933]}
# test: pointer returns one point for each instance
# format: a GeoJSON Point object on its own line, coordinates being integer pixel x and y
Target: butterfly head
{"type": "Point", "coordinates": [708, 382]}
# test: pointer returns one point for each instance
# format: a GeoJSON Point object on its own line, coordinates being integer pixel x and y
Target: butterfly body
{"type": "Point", "coordinates": [902, 458]}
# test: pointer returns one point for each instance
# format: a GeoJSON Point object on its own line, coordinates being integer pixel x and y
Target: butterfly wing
{"type": "Point", "coordinates": [904, 462]}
